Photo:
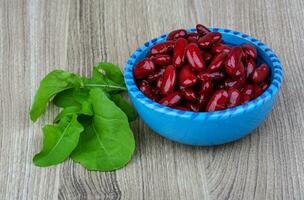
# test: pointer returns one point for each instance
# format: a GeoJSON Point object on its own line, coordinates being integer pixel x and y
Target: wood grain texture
{"type": "Point", "coordinates": [37, 36]}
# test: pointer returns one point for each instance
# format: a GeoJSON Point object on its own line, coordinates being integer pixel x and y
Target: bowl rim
{"type": "Point", "coordinates": [268, 94]}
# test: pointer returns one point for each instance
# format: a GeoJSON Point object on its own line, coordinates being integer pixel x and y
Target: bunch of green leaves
{"type": "Point", "coordinates": [93, 125]}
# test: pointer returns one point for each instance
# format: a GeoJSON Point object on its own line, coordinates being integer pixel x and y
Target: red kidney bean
{"type": "Point", "coordinates": [207, 55]}
{"type": "Point", "coordinates": [206, 88]}
{"type": "Point", "coordinates": [260, 74]}
{"type": "Point", "coordinates": [186, 76]}
{"type": "Point", "coordinates": [159, 82]}
{"type": "Point", "coordinates": [218, 101]}
{"type": "Point", "coordinates": [161, 59]}
{"type": "Point", "coordinates": [172, 99]}
{"type": "Point", "coordinates": [227, 76]}
{"type": "Point", "coordinates": [181, 108]}
{"type": "Point", "coordinates": [169, 80]}
{"type": "Point", "coordinates": [257, 91]}
{"type": "Point", "coordinates": [180, 33]}
{"type": "Point", "coordinates": [209, 39]}
{"type": "Point", "coordinates": [189, 94]}
{"type": "Point", "coordinates": [233, 65]}
{"type": "Point", "coordinates": [219, 48]}
{"type": "Point", "coordinates": [195, 58]}
{"type": "Point", "coordinates": [179, 52]}
{"type": "Point", "coordinates": [248, 90]}
{"type": "Point", "coordinates": [249, 51]}
{"type": "Point", "coordinates": [158, 73]}
{"type": "Point", "coordinates": [203, 101]}
{"type": "Point", "coordinates": [245, 99]}
{"type": "Point", "coordinates": [202, 30]}
{"type": "Point", "coordinates": [192, 37]}
{"type": "Point", "coordinates": [235, 83]}
{"type": "Point", "coordinates": [145, 88]}
{"type": "Point", "coordinates": [234, 98]}
{"type": "Point", "coordinates": [250, 66]}
{"type": "Point", "coordinates": [210, 76]}
{"type": "Point", "coordinates": [240, 72]}
{"type": "Point", "coordinates": [217, 62]}
{"type": "Point", "coordinates": [162, 48]}
{"type": "Point", "coordinates": [143, 68]}
{"type": "Point", "coordinates": [193, 106]}
{"type": "Point", "coordinates": [264, 86]}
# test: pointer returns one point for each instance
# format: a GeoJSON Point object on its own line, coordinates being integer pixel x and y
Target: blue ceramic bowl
{"type": "Point", "coordinates": [206, 128]}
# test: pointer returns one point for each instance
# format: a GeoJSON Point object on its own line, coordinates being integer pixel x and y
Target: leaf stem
{"type": "Point", "coordinates": [105, 86]}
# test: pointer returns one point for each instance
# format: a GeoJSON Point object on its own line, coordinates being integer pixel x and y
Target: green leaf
{"type": "Point", "coordinates": [100, 80]}
{"type": "Point", "coordinates": [107, 142]}
{"type": "Point", "coordinates": [112, 71]}
{"type": "Point", "coordinates": [84, 109]}
{"type": "Point", "coordinates": [55, 82]}
{"type": "Point", "coordinates": [58, 141]}
{"type": "Point", "coordinates": [125, 106]}
{"type": "Point", "coordinates": [71, 97]}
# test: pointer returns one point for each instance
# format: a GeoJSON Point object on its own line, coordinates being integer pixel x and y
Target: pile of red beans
{"type": "Point", "coordinates": [199, 72]}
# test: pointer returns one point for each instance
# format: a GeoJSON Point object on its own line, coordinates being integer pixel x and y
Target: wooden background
{"type": "Point", "coordinates": [37, 36]}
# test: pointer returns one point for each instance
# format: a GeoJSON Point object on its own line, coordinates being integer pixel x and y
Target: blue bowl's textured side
{"type": "Point", "coordinates": [206, 128]}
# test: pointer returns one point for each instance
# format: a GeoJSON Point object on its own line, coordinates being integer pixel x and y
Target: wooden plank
{"type": "Point", "coordinates": [39, 36]}
{"type": "Point", "coordinates": [86, 46]}
{"type": "Point", "coordinates": [32, 43]}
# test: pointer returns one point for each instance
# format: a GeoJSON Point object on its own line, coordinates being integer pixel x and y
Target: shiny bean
{"type": "Point", "coordinates": [187, 77]}
{"type": "Point", "coordinates": [250, 51]}
{"type": "Point", "coordinates": [194, 57]}
{"type": "Point", "coordinates": [219, 48]}
{"type": "Point", "coordinates": [211, 76]}
{"type": "Point", "coordinates": [217, 62]}
{"type": "Point", "coordinates": [161, 59]}
{"type": "Point", "coordinates": [209, 39]}
{"type": "Point", "coordinates": [202, 30]}
{"type": "Point", "coordinates": [192, 37]}
{"type": "Point", "coordinates": [247, 93]}
{"type": "Point", "coordinates": [168, 80]}
{"type": "Point", "coordinates": [162, 48]}
{"type": "Point", "coordinates": [179, 52]}
{"type": "Point", "coordinates": [143, 68]}
{"type": "Point", "coordinates": [218, 101]}
{"type": "Point", "coordinates": [235, 83]}
{"type": "Point", "coordinates": [193, 106]}
{"type": "Point", "coordinates": [234, 98]}
{"type": "Point", "coordinates": [172, 99]}
{"type": "Point", "coordinates": [189, 94]}
{"type": "Point", "coordinates": [145, 88]}
{"type": "Point", "coordinates": [174, 35]}
{"type": "Point", "coordinates": [233, 65]}
{"type": "Point", "coordinates": [260, 74]}
{"type": "Point", "coordinates": [250, 66]}
{"type": "Point", "coordinates": [158, 73]}
{"type": "Point", "coordinates": [207, 55]}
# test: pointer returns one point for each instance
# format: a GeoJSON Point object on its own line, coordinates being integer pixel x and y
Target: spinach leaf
{"type": "Point", "coordinates": [112, 71]}
{"type": "Point", "coordinates": [84, 109]}
{"type": "Point", "coordinates": [125, 106]}
{"type": "Point", "coordinates": [55, 82]}
{"type": "Point", "coordinates": [100, 80]}
{"type": "Point", "coordinates": [58, 141]}
{"type": "Point", "coordinates": [107, 143]}
{"type": "Point", "coordinates": [71, 97]}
